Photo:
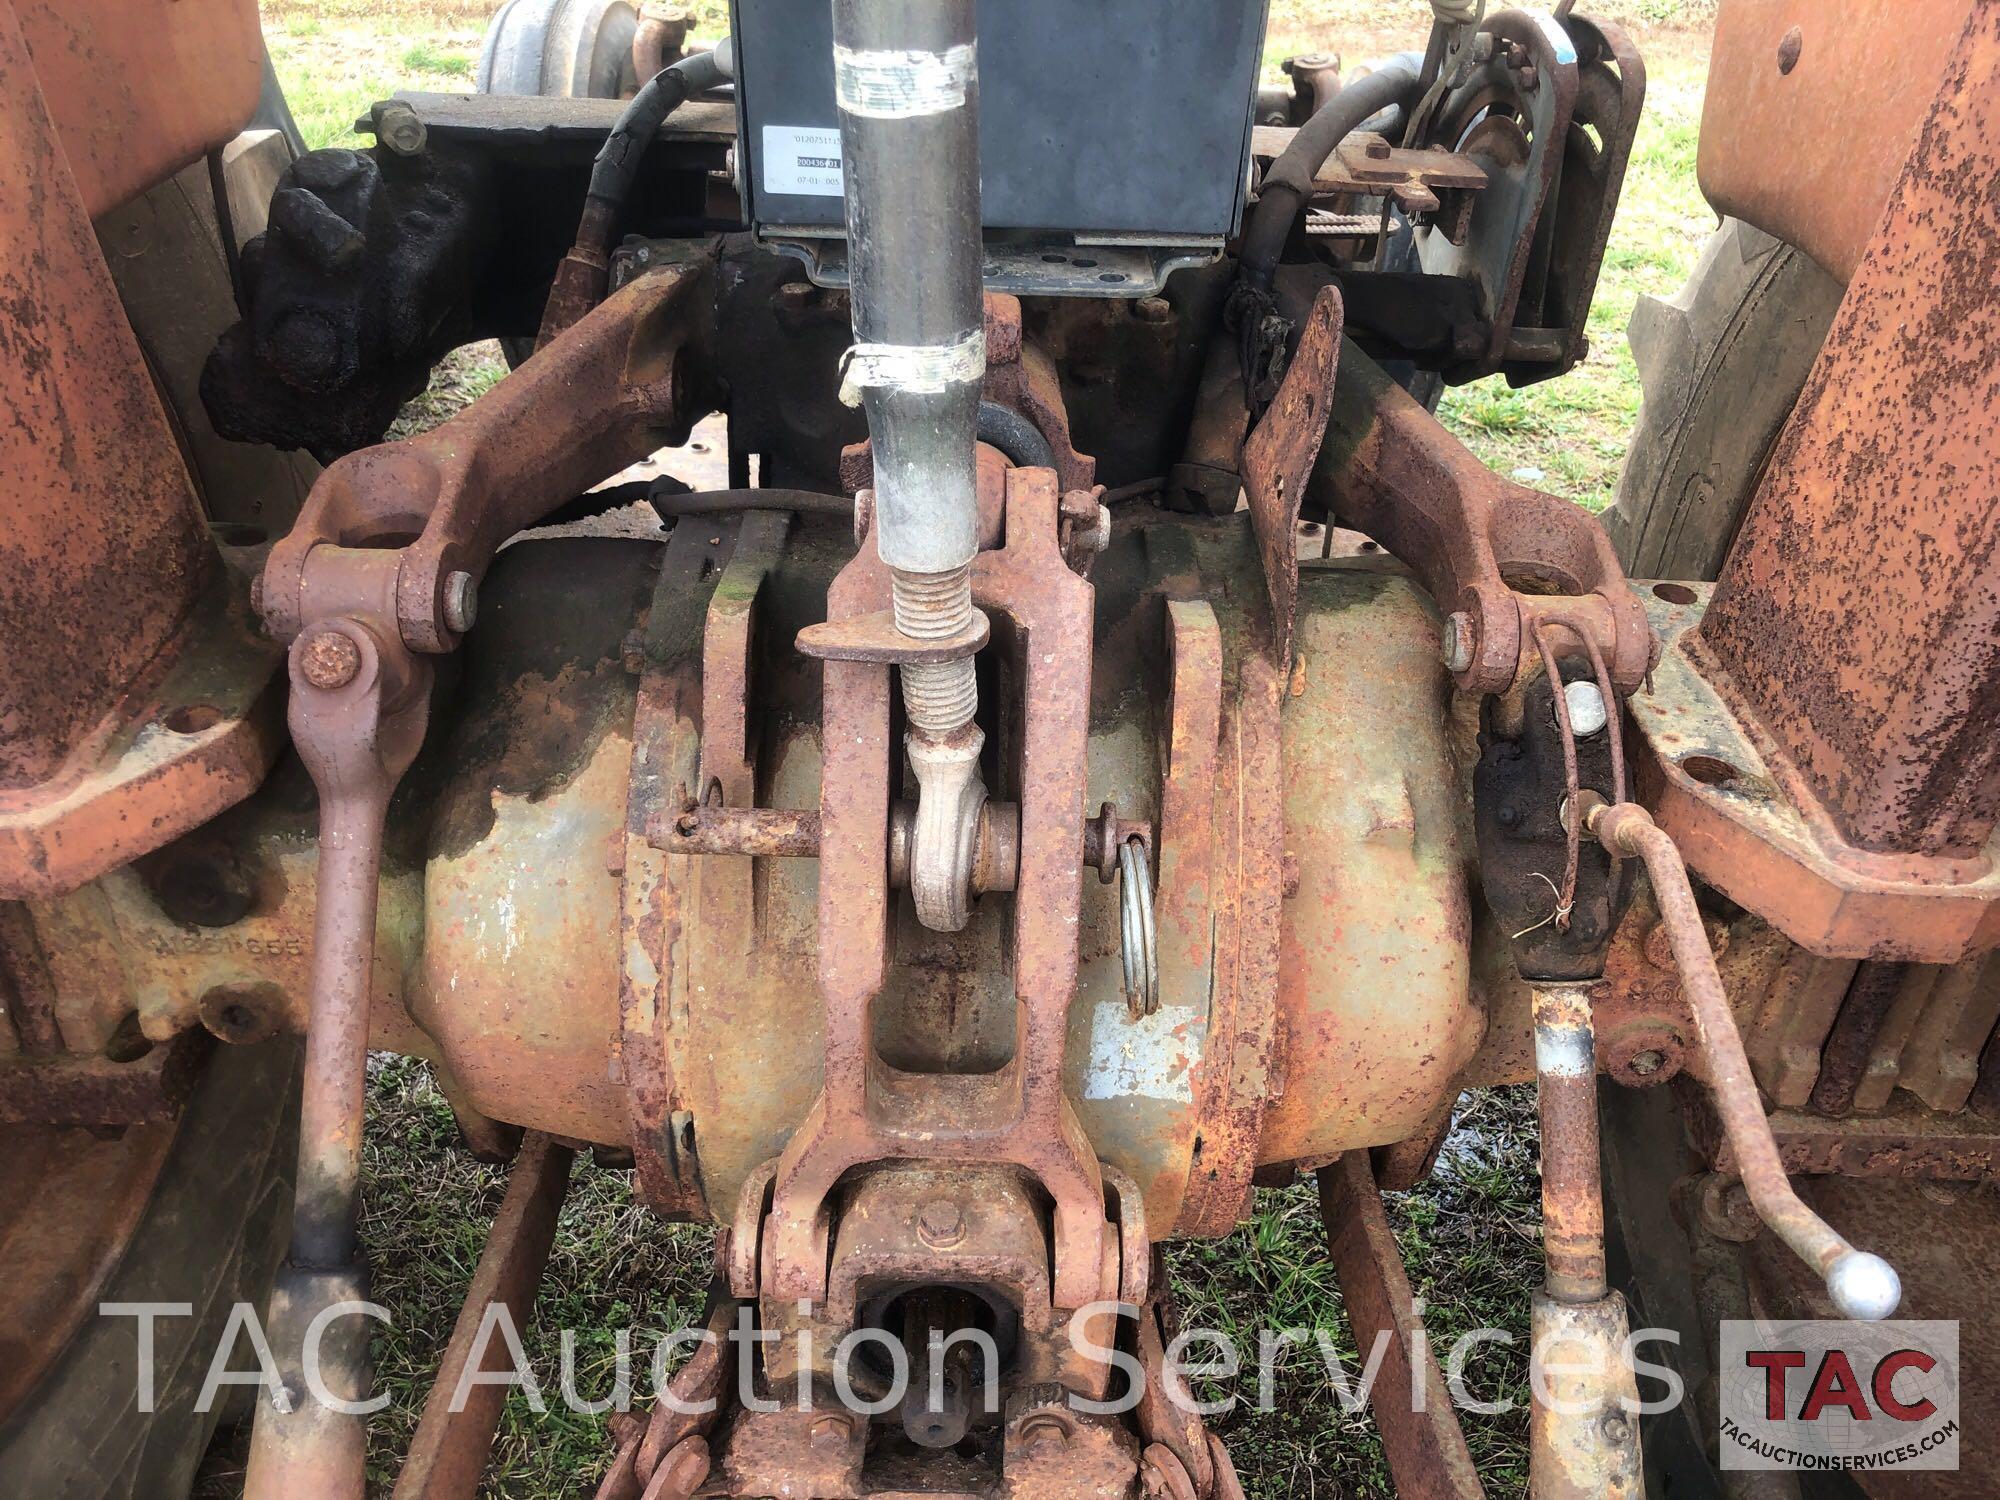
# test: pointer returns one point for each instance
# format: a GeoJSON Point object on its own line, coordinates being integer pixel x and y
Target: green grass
{"type": "Point", "coordinates": [1470, 1236]}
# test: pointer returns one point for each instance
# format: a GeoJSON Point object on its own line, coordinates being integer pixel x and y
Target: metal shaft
{"type": "Point", "coordinates": [1572, 1185]}
{"type": "Point", "coordinates": [908, 87]}
{"type": "Point", "coordinates": [1861, 1285]}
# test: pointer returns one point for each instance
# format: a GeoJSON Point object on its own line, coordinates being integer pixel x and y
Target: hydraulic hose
{"type": "Point", "coordinates": [1288, 184]}
{"type": "Point", "coordinates": [1014, 435]}
{"type": "Point", "coordinates": [586, 270]}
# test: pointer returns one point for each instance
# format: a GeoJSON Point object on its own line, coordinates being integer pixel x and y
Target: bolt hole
{"type": "Point", "coordinates": [194, 718]}
{"type": "Point", "coordinates": [1054, 259]}
{"type": "Point", "coordinates": [1113, 277]}
{"type": "Point", "coordinates": [128, 1043]}
{"type": "Point", "coordinates": [1084, 263]}
{"type": "Point", "coordinates": [1710, 770]}
{"type": "Point", "coordinates": [1675, 593]}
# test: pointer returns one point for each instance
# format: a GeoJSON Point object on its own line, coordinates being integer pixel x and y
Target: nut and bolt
{"type": "Point", "coordinates": [398, 128]}
{"type": "Point", "coordinates": [1647, 1063]}
{"type": "Point", "coordinates": [1153, 310]}
{"type": "Point", "coordinates": [940, 1223]}
{"type": "Point", "coordinates": [1460, 636]}
{"type": "Point", "coordinates": [1616, 1429]}
{"type": "Point", "coordinates": [1587, 714]}
{"type": "Point", "coordinates": [461, 602]}
{"type": "Point", "coordinates": [830, 1434]}
{"type": "Point", "coordinates": [1723, 1205]}
{"type": "Point", "coordinates": [1377, 149]}
{"type": "Point", "coordinates": [329, 659]}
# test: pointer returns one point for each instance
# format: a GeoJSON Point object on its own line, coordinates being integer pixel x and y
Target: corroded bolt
{"type": "Point", "coordinates": [829, 1434]}
{"type": "Point", "coordinates": [1616, 1430]}
{"type": "Point", "coordinates": [1153, 310]}
{"type": "Point", "coordinates": [1043, 1437]}
{"type": "Point", "coordinates": [461, 601]}
{"type": "Point", "coordinates": [1459, 633]}
{"type": "Point", "coordinates": [940, 1223]}
{"type": "Point", "coordinates": [398, 128]}
{"type": "Point", "coordinates": [1647, 1063]}
{"type": "Point", "coordinates": [329, 660]}
{"type": "Point", "coordinates": [1377, 149]}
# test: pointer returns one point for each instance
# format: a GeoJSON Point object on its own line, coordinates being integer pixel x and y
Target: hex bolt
{"type": "Point", "coordinates": [1460, 632]}
{"type": "Point", "coordinates": [329, 660]}
{"type": "Point", "coordinates": [1153, 310]}
{"type": "Point", "coordinates": [940, 1223]}
{"type": "Point", "coordinates": [1587, 714]}
{"type": "Point", "coordinates": [461, 601]}
{"type": "Point", "coordinates": [1377, 149]}
{"type": "Point", "coordinates": [398, 128]}
{"type": "Point", "coordinates": [1615, 1429]}
{"type": "Point", "coordinates": [829, 1434]}
{"type": "Point", "coordinates": [1647, 1063]}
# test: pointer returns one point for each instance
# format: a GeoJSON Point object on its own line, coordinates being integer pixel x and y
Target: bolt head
{"type": "Point", "coordinates": [1378, 149]}
{"type": "Point", "coordinates": [1616, 1430]}
{"type": "Point", "coordinates": [398, 128]}
{"type": "Point", "coordinates": [1043, 1437]}
{"type": "Point", "coordinates": [1460, 638]}
{"type": "Point", "coordinates": [1587, 713]}
{"type": "Point", "coordinates": [1647, 1063]}
{"type": "Point", "coordinates": [941, 1223]}
{"type": "Point", "coordinates": [461, 602]}
{"type": "Point", "coordinates": [329, 659]}
{"type": "Point", "coordinates": [829, 1434]}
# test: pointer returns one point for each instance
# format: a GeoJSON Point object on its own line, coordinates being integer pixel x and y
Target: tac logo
{"type": "Point", "coordinates": [1837, 1395]}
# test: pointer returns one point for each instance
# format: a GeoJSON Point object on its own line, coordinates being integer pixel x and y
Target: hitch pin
{"type": "Point", "coordinates": [1861, 1285]}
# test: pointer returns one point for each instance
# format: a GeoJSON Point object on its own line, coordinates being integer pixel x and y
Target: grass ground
{"type": "Point", "coordinates": [1470, 1236]}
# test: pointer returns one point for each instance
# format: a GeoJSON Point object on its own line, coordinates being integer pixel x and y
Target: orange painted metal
{"type": "Point", "coordinates": [1810, 153]}
{"type": "Point", "coordinates": [103, 552]}
{"type": "Point", "coordinates": [1857, 620]}
{"type": "Point", "coordinates": [141, 88]}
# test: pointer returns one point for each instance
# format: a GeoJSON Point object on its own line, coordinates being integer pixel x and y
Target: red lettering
{"type": "Point", "coordinates": [1884, 1385]}
{"type": "Point", "coordinates": [1774, 1363]}
{"type": "Point", "coordinates": [1834, 1384]}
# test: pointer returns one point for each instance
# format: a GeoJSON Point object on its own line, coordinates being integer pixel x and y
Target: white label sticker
{"type": "Point", "coordinates": [801, 159]}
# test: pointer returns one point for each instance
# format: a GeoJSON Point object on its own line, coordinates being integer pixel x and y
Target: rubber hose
{"type": "Point", "coordinates": [617, 164]}
{"type": "Point", "coordinates": [1288, 184]}
{"type": "Point", "coordinates": [1014, 435]}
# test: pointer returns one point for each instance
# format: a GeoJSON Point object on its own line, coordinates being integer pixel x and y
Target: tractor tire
{"type": "Point", "coordinates": [1721, 363]}
{"type": "Point", "coordinates": [211, 1235]}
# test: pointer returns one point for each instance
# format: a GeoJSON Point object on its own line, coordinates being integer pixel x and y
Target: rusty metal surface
{"type": "Point", "coordinates": [613, 388]}
{"type": "Point", "coordinates": [867, 1110]}
{"type": "Point", "coordinates": [72, 1199]}
{"type": "Point", "coordinates": [1572, 1186]}
{"type": "Point", "coordinates": [1583, 1431]}
{"type": "Point", "coordinates": [1627, 829]}
{"type": "Point", "coordinates": [357, 737]}
{"type": "Point", "coordinates": [103, 552]}
{"type": "Point", "coordinates": [1904, 1140]}
{"type": "Point", "coordinates": [197, 736]}
{"type": "Point", "coordinates": [1425, 1449]}
{"type": "Point", "coordinates": [1278, 457]}
{"type": "Point", "coordinates": [1502, 557]}
{"type": "Point", "coordinates": [1863, 74]}
{"type": "Point", "coordinates": [1750, 827]}
{"type": "Point", "coordinates": [1856, 618]}
{"type": "Point", "coordinates": [448, 1452]}
{"type": "Point", "coordinates": [140, 88]}
{"type": "Point", "coordinates": [1383, 1018]}
{"type": "Point", "coordinates": [72, 1089]}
